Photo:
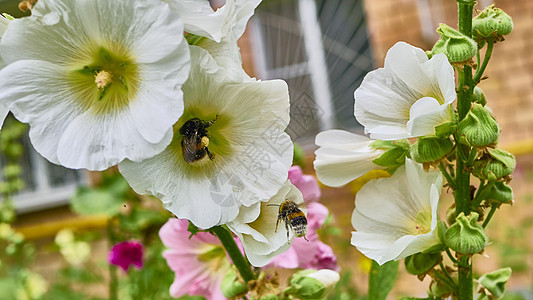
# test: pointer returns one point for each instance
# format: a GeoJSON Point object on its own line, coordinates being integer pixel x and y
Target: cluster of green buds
{"type": "Point", "coordinates": [473, 140]}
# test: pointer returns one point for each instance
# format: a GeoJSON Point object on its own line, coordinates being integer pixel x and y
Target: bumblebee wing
{"type": "Point", "coordinates": [189, 146]}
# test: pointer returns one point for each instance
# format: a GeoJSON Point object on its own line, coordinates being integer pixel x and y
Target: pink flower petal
{"type": "Point", "coordinates": [307, 184]}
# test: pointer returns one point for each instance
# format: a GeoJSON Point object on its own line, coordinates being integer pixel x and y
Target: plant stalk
{"type": "Point", "coordinates": [462, 193]}
{"type": "Point", "coordinates": [234, 253]}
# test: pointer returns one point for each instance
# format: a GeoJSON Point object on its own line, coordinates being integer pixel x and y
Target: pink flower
{"type": "Point", "coordinates": [125, 254]}
{"type": "Point", "coordinates": [324, 258]}
{"type": "Point", "coordinates": [307, 184]}
{"type": "Point", "coordinates": [200, 263]}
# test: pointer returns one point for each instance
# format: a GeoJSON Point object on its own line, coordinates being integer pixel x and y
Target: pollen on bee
{"type": "Point", "coordinates": [205, 141]}
{"type": "Point", "coordinates": [103, 79]}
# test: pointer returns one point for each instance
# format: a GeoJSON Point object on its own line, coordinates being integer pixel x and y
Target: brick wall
{"type": "Point", "coordinates": [509, 89]}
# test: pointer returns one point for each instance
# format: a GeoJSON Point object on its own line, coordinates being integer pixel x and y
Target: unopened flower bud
{"type": "Point", "coordinates": [494, 282]}
{"type": "Point", "coordinates": [394, 155]}
{"type": "Point", "coordinates": [466, 235]}
{"type": "Point", "coordinates": [501, 193]}
{"type": "Point", "coordinates": [439, 288]}
{"type": "Point", "coordinates": [497, 164]}
{"type": "Point", "coordinates": [431, 149]}
{"type": "Point", "coordinates": [479, 96]}
{"type": "Point", "coordinates": [312, 284]}
{"type": "Point", "coordinates": [478, 128]}
{"type": "Point", "coordinates": [457, 46]}
{"type": "Point", "coordinates": [420, 263]}
{"type": "Point", "coordinates": [231, 286]}
{"type": "Point", "coordinates": [491, 22]}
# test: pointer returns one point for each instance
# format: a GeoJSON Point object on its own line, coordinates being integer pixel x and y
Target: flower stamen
{"type": "Point", "coordinates": [103, 79]}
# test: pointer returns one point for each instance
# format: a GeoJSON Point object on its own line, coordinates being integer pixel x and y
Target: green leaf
{"type": "Point", "coordinates": [92, 202]}
{"type": "Point", "coordinates": [382, 279]}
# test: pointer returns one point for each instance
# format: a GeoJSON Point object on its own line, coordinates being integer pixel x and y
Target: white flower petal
{"type": "Point", "coordinates": [391, 214]}
{"type": "Point", "coordinates": [200, 18]}
{"type": "Point", "coordinates": [100, 143]}
{"type": "Point", "coordinates": [383, 102]}
{"type": "Point", "coordinates": [24, 82]}
{"type": "Point", "coordinates": [227, 55]}
{"type": "Point", "coordinates": [343, 157]}
{"type": "Point", "coordinates": [265, 237]}
{"type": "Point", "coordinates": [3, 114]}
{"type": "Point", "coordinates": [382, 250]}
{"type": "Point", "coordinates": [426, 114]}
{"type": "Point", "coordinates": [407, 63]}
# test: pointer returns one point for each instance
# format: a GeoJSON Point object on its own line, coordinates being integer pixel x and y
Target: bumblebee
{"type": "Point", "coordinates": [293, 218]}
{"type": "Point", "coordinates": [195, 142]}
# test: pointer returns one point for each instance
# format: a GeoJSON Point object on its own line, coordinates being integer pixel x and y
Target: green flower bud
{"type": "Point", "coordinates": [479, 96]}
{"type": "Point", "coordinates": [231, 286]}
{"type": "Point", "coordinates": [312, 284]}
{"type": "Point", "coordinates": [445, 130]}
{"type": "Point", "coordinates": [394, 155]}
{"type": "Point", "coordinates": [497, 164]}
{"type": "Point", "coordinates": [501, 193]}
{"type": "Point", "coordinates": [431, 149]}
{"type": "Point", "coordinates": [466, 235]}
{"type": "Point", "coordinates": [491, 22]}
{"type": "Point", "coordinates": [478, 128]}
{"type": "Point", "coordinates": [457, 46]}
{"type": "Point", "coordinates": [438, 288]}
{"type": "Point", "coordinates": [420, 263]}
{"type": "Point", "coordinates": [495, 281]}
{"type": "Point", "coordinates": [441, 231]}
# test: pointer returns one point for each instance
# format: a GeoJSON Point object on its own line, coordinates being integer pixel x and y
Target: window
{"type": "Point", "coordinates": [322, 49]}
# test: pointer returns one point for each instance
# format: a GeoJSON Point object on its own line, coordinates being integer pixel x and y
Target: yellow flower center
{"type": "Point", "coordinates": [103, 78]}
{"type": "Point", "coordinates": [422, 224]}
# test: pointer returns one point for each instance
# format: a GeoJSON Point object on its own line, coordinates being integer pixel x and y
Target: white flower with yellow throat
{"type": "Point", "coordinates": [235, 131]}
{"type": "Point", "coordinates": [97, 81]}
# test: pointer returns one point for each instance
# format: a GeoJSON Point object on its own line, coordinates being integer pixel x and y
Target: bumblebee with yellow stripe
{"type": "Point", "coordinates": [293, 218]}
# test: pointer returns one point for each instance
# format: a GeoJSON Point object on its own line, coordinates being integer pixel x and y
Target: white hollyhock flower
{"type": "Point", "coordinates": [409, 97]}
{"type": "Point", "coordinates": [343, 156]}
{"type": "Point", "coordinates": [201, 19]}
{"type": "Point", "coordinates": [98, 81]}
{"type": "Point", "coordinates": [397, 216]}
{"type": "Point", "coordinates": [256, 227]}
{"type": "Point", "coordinates": [250, 154]}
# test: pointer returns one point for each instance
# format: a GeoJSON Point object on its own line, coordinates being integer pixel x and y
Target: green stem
{"type": "Point", "coordinates": [234, 252]}
{"type": "Point", "coordinates": [462, 193]}
{"type": "Point", "coordinates": [454, 286]}
{"type": "Point", "coordinates": [493, 209]}
{"type": "Point", "coordinates": [482, 193]}
{"type": "Point", "coordinates": [455, 261]}
{"type": "Point", "coordinates": [479, 72]}
{"type": "Point", "coordinates": [447, 175]}
{"type": "Point", "coordinates": [113, 279]}
{"type": "Point", "coordinates": [466, 291]}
